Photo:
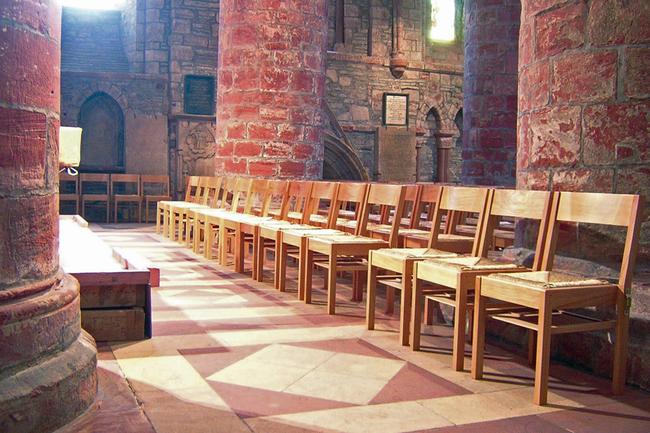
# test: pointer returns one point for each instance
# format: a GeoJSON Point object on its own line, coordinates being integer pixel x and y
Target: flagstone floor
{"type": "Point", "coordinates": [233, 355]}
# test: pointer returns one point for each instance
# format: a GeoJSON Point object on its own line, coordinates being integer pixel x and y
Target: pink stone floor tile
{"type": "Point", "coordinates": [252, 402]}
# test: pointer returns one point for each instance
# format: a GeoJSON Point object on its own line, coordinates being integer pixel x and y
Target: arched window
{"type": "Point", "coordinates": [446, 20]}
{"type": "Point", "coordinates": [102, 140]}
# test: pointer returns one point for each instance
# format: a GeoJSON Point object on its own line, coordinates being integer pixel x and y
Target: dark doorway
{"type": "Point", "coordinates": [102, 140]}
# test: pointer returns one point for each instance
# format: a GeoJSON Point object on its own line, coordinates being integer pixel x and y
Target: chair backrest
{"type": "Point", "coordinates": [68, 185]}
{"type": "Point", "coordinates": [258, 196]}
{"type": "Point", "coordinates": [125, 184]}
{"type": "Point", "coordinates": [391, 196]}
{"type": "Point", "coordinates": [191, 189]}
{"type": "Point", "coordinates": [322, 191]}
{"type": "Point", "coordinates": [211, 188]}
{"type": "Point", "coordinates": [277, 196]}
{"type": "Point", "coordinates": [520, 204]}
{"type": "Point", "coordinates": [241, 194]}
{"type": "Point", "coordinates": [460, 199]}
{"type": "Point", "coordinates": [154, 184]}
{"type": "Point", "coordinates": [623, 210]}
{"type": "Point", "coordinates": [297, 197]}
{"type": "Point", "coordinates": [411, 198]}
{"type": "Point", "coordinates": [426, 203]}
{"type": "Point", "coordinates": [351, 194]}
{"type": "Point", "coordinates": [94, 183]}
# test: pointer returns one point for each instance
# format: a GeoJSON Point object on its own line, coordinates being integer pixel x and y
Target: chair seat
{"type": "Point", "coordinates": [319, 219]}
{"type": "Point", "coordinates": [546, 279]}
{"type": "Point", "coordinates": [405, 253]}
{"type": "Point", "coordinates": [471, 264]}
{"type": "Point", "coordinates": [294, 215]}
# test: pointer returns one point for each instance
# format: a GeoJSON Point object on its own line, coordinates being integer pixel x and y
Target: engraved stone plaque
{"type": "Point", "coordinates": [396, 154]}
{"type": "Point", "coordinates": [395, 109]}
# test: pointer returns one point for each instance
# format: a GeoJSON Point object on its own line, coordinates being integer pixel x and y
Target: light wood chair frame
{"type": "Point", "coordinates": [550, 302]}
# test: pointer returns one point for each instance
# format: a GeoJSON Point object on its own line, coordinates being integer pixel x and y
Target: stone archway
{"type": "Point", "coordinates": [102, 143]}
{"type": "Point", "coordinates": [341, 162]}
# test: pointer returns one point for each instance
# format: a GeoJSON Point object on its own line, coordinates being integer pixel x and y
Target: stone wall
{"type": "Point", "coordinates": [358, 74]}
{"type": "Point", "coordinates": [143, 101]}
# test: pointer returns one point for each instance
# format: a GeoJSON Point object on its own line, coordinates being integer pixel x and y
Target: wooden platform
{"type": "Point", "coordinates": [115, 285]}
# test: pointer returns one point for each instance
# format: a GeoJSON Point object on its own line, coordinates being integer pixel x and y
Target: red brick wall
{"type": "Point", "coordinates": [270, 87]}
{"type": "Point", "coordinates": [490, 92]}
{"type": "Point", "coordinates": [584, 98]}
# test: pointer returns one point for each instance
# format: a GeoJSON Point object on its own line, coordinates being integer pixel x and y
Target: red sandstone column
{"type": "Point", "coordinates": [47, 367]}
{"type": "Point", "coordinates": [584, 99]}
{"type": "Point", "coordinates": [271, 86]}
{"type": "Point", "coordinates": [490, 92]}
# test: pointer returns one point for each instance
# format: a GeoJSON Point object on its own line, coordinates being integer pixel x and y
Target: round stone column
{"type": "Point", "coordinates": [490, 92]}
{"type": "Point", "coordinates": [47, 366]}
{"type": "Point", "coordinates": [270, 88]}
{"type": "Point", "coordinates": [584, 99]}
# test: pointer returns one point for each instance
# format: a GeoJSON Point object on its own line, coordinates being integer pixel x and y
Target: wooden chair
{"type": "Point", "coordinates": [558, 300]}
{"type": "Point", "coordinates": [382, 228]}
{"type": "Point", "coordinates": [199, 216]}
{"type": "Point", "coordinates": [154, 188]}
{"type": "Point", "coordinates": [397, 264]}
{"type": "Point", "coordinates": [297, 202]}
{"type": "Point", "coordinates": [163, 206]}
{"type": "Point", "coordinates": [293, 212]}
{"type": "Point", "coordinates": [95, 188]}
{"type": "Point", "coordinates": [213, 218]}
{"type": "Point", "coordinates": [177, 210]}
{"type": "Point", "coordinates": [69, 191]}
{"type": "Point", "coordinates": [445, 238]}
{"type": "Point", "coordinates": [293, 243]}
{"type": "Point", "coordinates": [126, 188]}
{"type": "Point", "coordinates": [350, 200]}
{"type": "Point", "coordinates": [186, 213]}
{"type": "Point", "coordinates": [455, 278]}
{"type": "Point", "coordinates": [349, 253]}
{"type": "Point", "coordinates": [237, 228]}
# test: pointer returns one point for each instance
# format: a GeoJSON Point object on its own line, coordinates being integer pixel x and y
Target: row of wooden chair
{"type": "Point", "coordinates": [112, 191]}
{"type": "Point", "coordinates": [380, 230]}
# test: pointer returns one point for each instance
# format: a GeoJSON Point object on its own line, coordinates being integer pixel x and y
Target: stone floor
{"type": "Point", "coordinates": [232, 355]}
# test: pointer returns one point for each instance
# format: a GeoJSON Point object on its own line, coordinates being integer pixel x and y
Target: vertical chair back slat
{"type": "Point", "coordinates": [464, 199]}
{"type": "Point", "coordinates": [426, 203]}
{"type": "Point", "coordinates": [241, 194]}
{"type": "Point", "coordinates": [212, 189]}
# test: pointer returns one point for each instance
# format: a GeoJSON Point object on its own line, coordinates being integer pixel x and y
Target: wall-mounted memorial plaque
{"type": "Point", "coordinates": [395, 109]}
{"type": "Point", "coordinates": [198, 97]}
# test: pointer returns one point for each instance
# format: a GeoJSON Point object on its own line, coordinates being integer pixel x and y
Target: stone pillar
{"type": "Point", "coordinates": [47, 366]}
{"type": "Point", "coordinates": [490, 92]}
{"type": "Point", "coordinates": [584, 99]}
{"type": "Point", "coordinates": [271, 87]}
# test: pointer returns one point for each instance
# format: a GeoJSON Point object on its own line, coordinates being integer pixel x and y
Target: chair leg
{"type": "Point", "coordinates": [331, 285]}
{"type": "Point", "coordinates": [406, 303]}
{"type": "Point", "coordinates": [390, 300]}
{"type": "Point", "coordinates": [371, 296]}
{"type": "Point", "coordinates": [282, 256]}
{"type": "Point", "coordinates": [542, 363]}
{"type": "Point", "coordinates": [478, 342]}
{"type": "Point", "coordinates": [620, 347]}
{"type": "Point", "coordinates": [417, 304]}
{"type": "Point", "coordinates": [309, 272]}
{"type": "Point", "coordinates": [460, 321]}
{"type": "Point", "coordinates": [532, 342]}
